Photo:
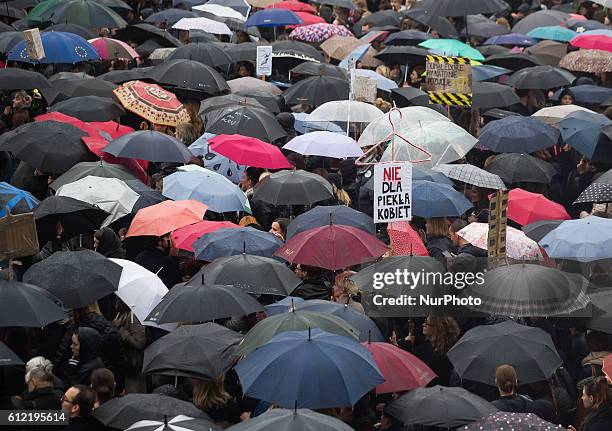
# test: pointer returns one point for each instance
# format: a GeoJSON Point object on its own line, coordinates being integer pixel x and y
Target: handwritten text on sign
{"type": "Point", "coordinates": [392, 192]}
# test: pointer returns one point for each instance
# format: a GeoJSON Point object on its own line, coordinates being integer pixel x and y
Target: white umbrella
{"type": "Point", "coordinates": [518, 245]}
{"type": "Point", "coordinates": [445, 141]}
{"type": "Point", "coordinates": [221, 11]}
{"type": "Point", "coordinates": [345, 111]}
{"type": "Point", "coordinates": [380, 128]}
{"type": "Point", "coordinates": [178, 423]}
{"type": "Point", "coordinates": [554, 114]}
{"type": "Point", "coordinates": [204, 24]}
{"type": "Point", "coordinates": [110, 194]}
{"type": "Point", "coordinates": [326, 144]}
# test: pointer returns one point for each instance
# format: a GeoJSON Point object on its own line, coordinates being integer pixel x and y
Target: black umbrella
{"type": "Point", "coordinates": [149, 145]}
{"type": "Point", "coordinates": [513, 61]}
{"type": "Point", "coordinates": [596, 192]}
{"type": "Point", "coordinates": [198, 302]}
{"type": "Point", "coordinates": [142, 32]}
{"type": "Point", "coordinates": [487, 95]}
{"type": "Point", "coordinates": [295, 49]}
{"type": "Point", "coordinates": [124, 411]}
{"type": "Point", "coordinates": [295, 187]}
{"type": "Point", "coordinates": [15, 79]}
{"type": "Point", "coordinates": [529, 290]}
{"type": "Point", "coordinates": [540, 78]}
{"type": "Point", "coordinates": [85, 33]}
{"type": "Point", "coordinates": [15, 3]}
{"type": "Point", "coordinates": [77, 278]}
{"type": "Point", "coordinates": [177, 423]}
{"type": "Point", "coordinates": [189, 75]}
{"type": "Point", "coordinates": [244, 120]}
{"type": "Point", "coordinates": [317, 90]}
{"type": "Point", "coordinates": [481, 26]}
{"type": "Point", "coordinates": [27, 305]}
{"type": "Point", "coordinates": [345, 4]}
{"type": "Point", "coordinates": [64, 89]}
{"type": "Point", "coordinates": [70, 75]}
{"type": "Point", "coordinates": [291, 420]}
{"type": "Point", "coordinates": [377, 19]}
{"type": "Point", "coordinates": [269, 101]}
{"type": "Point", "coordinates": [437, 22]}
{"type": "Point", "coordinates": [76, 217]}
{"type": "Point", "coordinates": [439, 406]}
{"type": "Point", "coordinates": [254, 274]}
{"type": "Point", "coordinates": [482, 349]}
{"type": "Point", "coordinates": [148, 196]}
{"type": "Point", "coordinates": [89, 14]}
{"type": "Point", "coordinates": [8, 40]}
{"type": "Point", "coordinates": [118, 5]}
{"type": "Point", "coordinates": [11, 12]}
{"type": "Point", "coordinates": [170, 16]}
{"type": "Point", "coordinates": [411, 96]}
{"type": "Point", "coordinates": [518, 168]}
{"type": "Point", "coordinates": [96, 169]}
{"type": "Point", "coordinates": [402, 55]}
{"type": "Point", "coordinates": [464, 7]}
{"type": "Point", "coordinates": [406, 37]}
{"type": "Point", "coordinates": [243, 51]}
{"type": "Point", "coordinates": [539, 229]}
{"type": "Point", "coordinates": [311, 68]}
{"type": "Point", "coordinates": [226, 101]}
{"type": "Point", "coordinates": [338, 214]}
{"type": "Point", "coordinates": [121, 76]}
{"type": "Point", "coordinates": [49, 146]}
{"type": "Point", "coordinates": [517, 133]}
{"type": "Point", "coordinates": [8, 357]}
{"type": "Point", "coordinates": [491, 50]}
{"type": "Point", "coordinates": [542, 18]}
{"type": "Point", "coordinates": [206, 53]}
{"type": "Point", "coordinates": [201, 351]}
{"type": "Point", "coordinates": [90, 108]}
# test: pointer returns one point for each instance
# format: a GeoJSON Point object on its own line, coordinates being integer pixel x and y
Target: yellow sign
{"type": "Point", "coordinates": [449, 80]}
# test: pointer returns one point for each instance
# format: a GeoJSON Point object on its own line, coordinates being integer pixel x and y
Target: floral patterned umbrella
{"type": "Point", "coordinates": [518, 245]}
{"type": "Point", "coordinates": [152, 102]}
{"type": "Point", "coordinates": [511, 421]}
{"type": "Point", "coordinates": [316, 33]}
{"type": "Point", "coordinates": [588, 60]}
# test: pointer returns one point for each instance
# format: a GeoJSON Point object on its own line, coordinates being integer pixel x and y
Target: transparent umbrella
{"type": "Point", "coordinates": [345, 112]}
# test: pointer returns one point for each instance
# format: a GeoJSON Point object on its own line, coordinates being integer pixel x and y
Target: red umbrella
{"type": "Point", "coordinates": [165, 217]}
{"type": "Point", "coordinates": [525, 207]}
{"type": "Point", "coordinates": [184, 237]}
{"type": "Point", "coordinates": [405, 241]}
{"type": "Point", "coordinates": [402, 370]}
{"type": "Point", "coordinates": [607, 367]}
{"type": "Point", "coordinates": [593, 41]}
{"type": "Point", "coordinates": [248, 151]}
{"type": "Point", "coordinates": [307, 19]}
{"type": "Point", "coordinates": [332, 247]}
{"type": "Point", "coordinates": [293, 6]}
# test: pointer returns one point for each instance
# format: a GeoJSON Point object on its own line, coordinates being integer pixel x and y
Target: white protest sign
{"type": "Point", "coordinates": [34, 44]}
{"type": "Point", "coordinates": [392, 192]}
{"type": "Point", "coordinates": [364, 89]}
{"type": "Point", "coordinates": [264, 60]}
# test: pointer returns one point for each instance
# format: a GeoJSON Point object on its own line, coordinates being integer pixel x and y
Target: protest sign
{"type": "Point", "coordinates": [18, 236]}
{"type": "Point", "coordinates": [34, 44]}
{"type": "Point", "coordinates": [392, 192]}
{"type": "Point", "coordinates": [264, 60]}
{"type": "Point", "coordinates": [449, 80]}
{"type": "Point", "coordinates": [364, 89]}
{"type": "Point", "coordinates": [498, 223]}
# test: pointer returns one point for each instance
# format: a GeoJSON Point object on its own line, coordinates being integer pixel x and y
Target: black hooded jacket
{"type": "Point", "coordinates": [79, 372]}
{"type": "Point", "coordinates": [109, 244]}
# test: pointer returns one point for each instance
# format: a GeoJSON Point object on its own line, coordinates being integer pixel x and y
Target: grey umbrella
{"type": "Point", "coordinates": [149, 145]}
{"type": "Point", "coordinates": [516, 168]}
{"type": "Point", "coordinates": [292, 420]}
{"type": "Point", "coordinates": [482, 349]}
{"type": "Point", "coordinates": [539, 229]}
{"type": "Point", "coordinates": [90, 108]}
{"type": "Point", "coordinates": [487, 95]}
{"type": "Point", "coordinates": [96, 169]}
{"type": "Point", "coordinates": [293, 188]}
{"type": "Point", "coordinates": [225, 101]}
{"type": "Point", "coordinates": [201, 351]}
{"type": "Point", "coordinates": [540, 78]}
{"type": "Point", "coordinates": [177, 423]}
{"type": "Point", "coordinates": [471, 174]}
{"type": "Point", "coordinates": [23, 304]}
{"type": "Point", "coordinates": [148, 196]}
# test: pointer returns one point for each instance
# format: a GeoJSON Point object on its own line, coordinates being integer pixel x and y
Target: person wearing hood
{"type": "Point", "coordinates": [313, 285]}
{"type": "Point", "coordinates": [567, 97]}
{"type": "Point", "coordinates": [469, 258]}
{"type": "Point", "coordinates": [108, 243]}
{"type": "Point", "coordinates": [85, 357]}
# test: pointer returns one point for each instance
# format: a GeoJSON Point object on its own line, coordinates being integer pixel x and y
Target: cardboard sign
{"type": "Point", "coordinates": [498, 223]}
{"type": "Point", "coordinates": [34, 44]}
{"type": "Point", "coordinates": [18, 236]}
{"type": "Point", "coordinates": [449, 80]}
{"type": "Point", "coordinates": [364, 89]}
{"type": "Point", "coordinates": [264, 60]}
{"type": "Point", "coordinates": [392, 192]}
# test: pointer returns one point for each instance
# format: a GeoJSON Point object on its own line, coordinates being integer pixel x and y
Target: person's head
{"type": "Point", "coordinates": [186, 133]}
{"type": "Point", "coordinates": [103, 384]}
{"type": "Point", "coordinates": [595, 394]}
{"type": "Point", "coordinates": [279, 228]}
{"type": "Point", "coordinates": [39, 362]}
{"type": "Point", "coordinates": [78, 401]}
{"type": "Point", "coordinates": [455, 227]}
{"type": "Point", "coordinates": [106, 240]}
{"type": "Point", "coordinates": [164, 242]}
{"type": "Point", "coordinates": [344, 286]}
{"type": "Point", "coordinates": [250, 178]}
{"type": "Point", "coordinates": [567, 97]}
{"type": "Point", "coordinates": [245, 69]}
{"type": "Point", "coordinates": [506, 379]}
{"type": "Point", "coordinates": [395, 5]}
{"type": "Point", "coordinates": [20, 117]}
{"type": "Point", "coordinates": [597, 341]}
{"type": "Point", "coordinates": [38, 378]}
{"type": "Point", "coordinates": [436, 227]}
{"type": "Point", "coordinates": [442, 332]}
{"type": "Point", "coordinates": [479, 196]}
{"type": "Point", "coordinates": [242, 37]}
{"type": "Point", "coordinates": [157, 181]}
{"type": "Point", "coordinates": [209, 393]}
{"type": "Point", "coordinates": [305, 271]}
{"type": "Point", "coordinates": [85, 344]}
{"type": "Point", "coordinates": [160, 128]}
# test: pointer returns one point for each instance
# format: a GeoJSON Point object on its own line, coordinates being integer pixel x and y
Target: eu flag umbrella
{"type": "Point", "coordinates": [59, 47]}
{"type": "Point", "coordinates": [18, 201]}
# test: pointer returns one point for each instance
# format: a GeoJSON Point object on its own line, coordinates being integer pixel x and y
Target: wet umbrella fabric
{"type": "Point", "coordinates": [149, 145]}
{"type": "Point", "coordinates": [515, 168]}
{"type": "Point", "coordinates": [245, 120]}
{"type": "Point", "coordinates": [516, 421]}
{"type": "Point", "coordinates": [177, 423]}
{"type": "Point", "coordinates": [230, 242]}
{"type": "Point", "coordinates": [26, 305]}
{"type": "Point", "coordinates": [293, 188]}
{"type": "Point", "coordinates": [540, 78]}
{"type": "Point", "coordinates": [584, 240]}
{"type": "Point", "coordinates": [13, 79]}
{"type": "Point", "coordinates": [90, 108]}
{"type": "Point", "coordinates": [292, 419]}
{"type": "Point", "coordinates": [95, 169]}
{"type": "Point", "coordinates": [431, 199]}
{"type": "Point", "coordinates": [518, 135]}
{"type": "Point", "coordinates": [16, 200]}
{"type": "Point", "coordinates": [321, 215]}
{"type": "Point", "coordinates": [77, 278]}
{"type": "Point", "coordinates": [317, 90]}
{"type": "Point", "coordinates": [539, 229]}
{"type": "Point", "coordinates": [189, 75]}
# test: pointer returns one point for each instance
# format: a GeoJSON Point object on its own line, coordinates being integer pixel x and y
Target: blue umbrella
{"type": "Point", "coordinates": [587, 94]}
{"type": "Point", "coordinates": [148, 196]}
{"type": "Point", "coordinates": [282, 306]}
{"type": "Point", "coordinates": [515, 39]}
{"type": "Point", "coordinates": [273, 18]}
{"type": "Point", "coordinates": [431, 199]}
{"type": "Point", "coordinates": [553, 32]}
{"type": "Point", "coordinates": [208, 187]}
{"type": "Point", "coordinates": [581, 130]}
{"type": "Point", "coordinates": [215, 161]}
{"type": "Point", "coordinates": [230, 242]}
{"type": "Point", "coordinates": [321, 215]}
{"type": "Point", "coordinates": [18, 201]}
{"type": "Point", "coordinates": [589, 24]}
{"type": "Point", "coordinates": [518, 135]}
{"type": "Point", "coordinates": [368, 331]}
{"type": "Point", "coordinates": [309, 369]}
{"type": "Point", "coordinates": [585, 239]}
{"type": "Point", "coordinates": [59, 47]}
{"type": "Point", "coordinates": [487, 71]}
{"type": "Point", "coordinates": [604, 32]}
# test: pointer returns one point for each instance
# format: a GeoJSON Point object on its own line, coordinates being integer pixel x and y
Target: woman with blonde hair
{"type": "Point", "coordinates": [345, 290]}
{"type": "Point", "coordinates": [210, 396]}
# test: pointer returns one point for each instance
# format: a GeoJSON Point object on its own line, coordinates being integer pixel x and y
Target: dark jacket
{"type": "Point", "coordinates": [39, 399]}
{"type": "Point", "coordinates": [438, 362]}
{"type": "Point", "coordinates": [514, 403]}
{"type": "Point", "coordinates": [598, 421]}
{"type": "Point", "coordinates": [79, 371]}
{"type": "Point", "coordinates": [85, 424]}
{"type": "Point", "coordinates": [313, 288]}
{"type": "Point", "coordinates": [156, 261]}
{"type": "Point", "coordinates": [440, 247]}
{"type": "Point", "coordinates": [110, 244]}
{"type": "Point", "coordinates": [470, 259]}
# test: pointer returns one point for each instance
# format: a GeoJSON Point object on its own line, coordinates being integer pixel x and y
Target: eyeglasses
{"type": "Point", "coordinates": [66, 400]}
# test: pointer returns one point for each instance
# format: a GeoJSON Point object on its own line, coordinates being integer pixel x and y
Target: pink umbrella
{"type": "Point", "coordinates": [316, 33]}
{"type": "Point", "coordinates": [111, 49]}
{"type": "Point", "coordinates": [525, 207]}
{"type": "Point", "coordinates": [405, 241]}
{"type": "Point", "coordinates": [293, 6]}
{"type": "Point", "coordinates": [332, 247]}
{"type": "Point", "coordinates": [248, 151]}
{"type": "Point", "coordinates": [593, 41]}
{"type": "Point", "coordinates": [185, 236]}
{"type": "Point", "coordinates": [307, 19]}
